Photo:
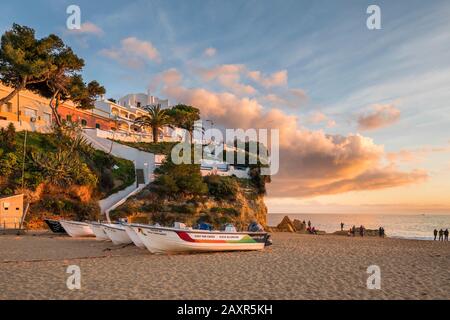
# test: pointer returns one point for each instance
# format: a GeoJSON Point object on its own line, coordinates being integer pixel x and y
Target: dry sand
{"type": "Point", "coordinates": [295, 267]}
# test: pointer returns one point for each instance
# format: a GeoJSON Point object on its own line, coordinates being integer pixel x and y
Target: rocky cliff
{"type": "Point", "coordinates": [149, 207]}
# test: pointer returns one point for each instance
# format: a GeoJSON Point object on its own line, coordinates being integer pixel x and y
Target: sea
{"type": "Point", "coordinates": [414, 226]}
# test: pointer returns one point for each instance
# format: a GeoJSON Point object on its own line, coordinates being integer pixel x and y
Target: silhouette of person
{"type": "Point", "coordinates": [353, 230]}
{"type": "Point", "coordinates": [342, 226]}
{"type": "Point", "coordinates": [435, 234]}
{"type": "Point", "coordinates": [446, 234]}
{"type": "Point", "coordinates": [441, 235]}
{"type": "Point", "coordinates": [309, 224]}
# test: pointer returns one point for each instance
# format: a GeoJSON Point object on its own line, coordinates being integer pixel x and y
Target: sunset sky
{"type": "Point", "coordinates": [364, 115]}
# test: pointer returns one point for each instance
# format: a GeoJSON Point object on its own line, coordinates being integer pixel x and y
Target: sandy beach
{"type": "Point", "coordinates": [295, 267]}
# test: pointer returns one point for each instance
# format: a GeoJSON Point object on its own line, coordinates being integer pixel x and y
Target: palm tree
{"type": "Point", "coordinates": [155, 119]}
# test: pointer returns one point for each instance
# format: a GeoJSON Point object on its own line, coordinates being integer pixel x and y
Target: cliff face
{"type": "Point", "coordinates": [148, 207]}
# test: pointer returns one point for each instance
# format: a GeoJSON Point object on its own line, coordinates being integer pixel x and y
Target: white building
{"type": "Point", "coordinates": [139, 100]}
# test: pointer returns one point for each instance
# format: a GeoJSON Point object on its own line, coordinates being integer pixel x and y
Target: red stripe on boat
{"type": "Point", "coordinates": [186, 237]}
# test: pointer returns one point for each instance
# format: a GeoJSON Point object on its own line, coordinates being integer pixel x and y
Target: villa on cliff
{"type": "Point", "coordinates": [108, 119]}
{"type": "Point", "coordinates": [29, 111]}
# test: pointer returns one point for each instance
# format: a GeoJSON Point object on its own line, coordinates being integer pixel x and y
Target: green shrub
{"type": "Point", "coordinates": [222, 187]}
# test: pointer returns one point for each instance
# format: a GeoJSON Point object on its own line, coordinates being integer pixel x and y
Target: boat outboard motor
{"type": "Point", "coordinates": [269, 241]}
{"type": "Point", "coordinates": [204, 226]}
{"type": "Point", "coordinates": [255, 227]}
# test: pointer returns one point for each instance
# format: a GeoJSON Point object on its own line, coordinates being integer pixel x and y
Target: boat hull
{"type": "Point", "coordinates": [134, 237]}
{"type": "Point", "coordinates": [171, 240]}
{"type": "Point", "coordinates": [99, 232]}
{"type": "Point", "coordinates": [55, 226]}
{"type": "Point", "coordinates": [117, 234]}
{"type": "Point", "coordinates": [77, 229]}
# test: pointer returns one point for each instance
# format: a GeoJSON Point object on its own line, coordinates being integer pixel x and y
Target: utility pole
{"type": "Point", "coordinates": [24, 155]}
{"type": "Point", "coordinates": [18, 107]}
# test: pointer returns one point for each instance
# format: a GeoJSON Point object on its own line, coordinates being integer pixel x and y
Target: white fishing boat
{"type": "Point", "coordinates": [176, 240]}
{"type": "Point", "coordinates": [133, 236]}
{"type": "Point", "coordinates": [116, 233]}
{"type": "Point", "coordinates": [77, 229]}
{"type": "Point", "coordinates": [100, 233]}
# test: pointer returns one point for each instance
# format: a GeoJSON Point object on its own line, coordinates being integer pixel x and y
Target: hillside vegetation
{"type": "Point", "coordinates": [60, 175]}
{"type": "Point", "coordinates": [180, 193]}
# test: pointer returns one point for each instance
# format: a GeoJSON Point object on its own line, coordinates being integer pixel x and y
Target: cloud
{"type": "Point", "coordinates": [415, 155]}
{"type": "Point", "coordinates": [276, 79]}
{"type": "Point", "coordinates": [210, 52]}
{"type": "Point", "coordinates": [88, 28]}
{"type": "Point", "coordinates": [318, 117]}
{"type": "Point", "coordinates": [133, 52]}
{"type": "Point", "coordinates": [311, 162]}
{"type": "Point", "coordinates": [229, 76]}
{"type": "Point", "coordinates": [379, 116]}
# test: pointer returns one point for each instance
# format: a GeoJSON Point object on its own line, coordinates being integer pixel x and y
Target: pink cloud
{"type": "Point", "coordinates": [311, 162]}
{"type": "Point", "coordinates": [133, 52]}
{"type": "Point", "coordinates": [276, 79]}
{"type": "Point", "coordinates": [210, 52]}
{"type": "Point", "coordinates": [379, 116]}
{"type": "Point", "coordinates": [88, 28]}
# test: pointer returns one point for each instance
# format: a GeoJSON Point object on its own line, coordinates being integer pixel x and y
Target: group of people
{"type": "Point", "coordinates": [362, 231]}
{"type": "Point", "coordinates": [311, 230]}
{"type": "Point", "coordinates": [352, 231]}
{"type": "Point", "coordinates": [443, 234]}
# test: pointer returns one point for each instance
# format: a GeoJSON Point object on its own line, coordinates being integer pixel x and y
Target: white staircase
{"type": "Point", "coordinates": [143, 161]}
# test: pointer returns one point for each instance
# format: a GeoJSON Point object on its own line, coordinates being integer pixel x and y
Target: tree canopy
{"type": "Point", "coordinates": [47, 66]}
{"type": "Point", "coordinates": [25, 60]}
{"type": "Point", "coordinates": [156, 118]}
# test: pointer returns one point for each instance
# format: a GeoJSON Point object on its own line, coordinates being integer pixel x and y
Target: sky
{"type": "Point", "coordinates": [363, 114]}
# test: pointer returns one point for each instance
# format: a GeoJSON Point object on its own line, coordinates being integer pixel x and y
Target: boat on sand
{"type": "Point", "coordinates": [177, 240]}
{"type": "Point", "coordinates": [55, 226]}
{"type": "Point", "coordinates": [100, 233]}
{"type": "Point", "coordinates": [116, 233]}
{"type": "Point", "coordinates": [77, 229]}
{"type": "Point", "coordinates": [133, 236]}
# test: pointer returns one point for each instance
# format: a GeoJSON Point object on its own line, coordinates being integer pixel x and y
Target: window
{"type": "Point", "coordinates": [69, 117]}
{"type": "Point", "coordinates": [138, 104]}
{"type": "Point", "coordinates": [9, 107]}
{"type": "Point", "coordinates": [31, 113]}
{"type": "Point", "coordinates": [47, 117]}
{"type": "Point", "coordinates": [83, 122]}
{"type": "Point", "coordinates": [97, 125]}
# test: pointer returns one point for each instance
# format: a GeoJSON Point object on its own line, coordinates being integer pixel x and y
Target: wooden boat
{"type": "Point", "coordinates": [77, 229]}
{"type": "Point", "coordinates": [133, 236]}
{"type": "Point", "coordinates": [55, 226]}
{"type": "Point", "coordinates": [116, 233]}
{"type": "Point", "coordinates": [176, 240]}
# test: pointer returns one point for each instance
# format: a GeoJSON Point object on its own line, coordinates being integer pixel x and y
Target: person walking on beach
{"type": "Point", "coordinates": [361, 231]}
{"type": "Point", "coordinates": [446, 235]}
{"type": "Point", "coordinates": [441, 235]}
{"type": "Point", "coordinates": [353, 230]}
{"type": "Point", "coordinates": [342, 226]}
{"type": "Point", "coordinates": [435, 234]}
{"type": "Point", "coordinates": [309, 224]}
{"type": "Point", "coordinates": [380, 232]}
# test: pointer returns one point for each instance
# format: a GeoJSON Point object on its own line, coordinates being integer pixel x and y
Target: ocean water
{"type": "Point", "coordinates": [397, 226]}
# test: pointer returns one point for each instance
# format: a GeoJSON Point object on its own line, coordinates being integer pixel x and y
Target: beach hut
{"type": "Point", "coordinates": [11, 212]}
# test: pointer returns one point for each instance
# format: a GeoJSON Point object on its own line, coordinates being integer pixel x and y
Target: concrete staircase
{"type": "Point", "coordinates": [144, 163]}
